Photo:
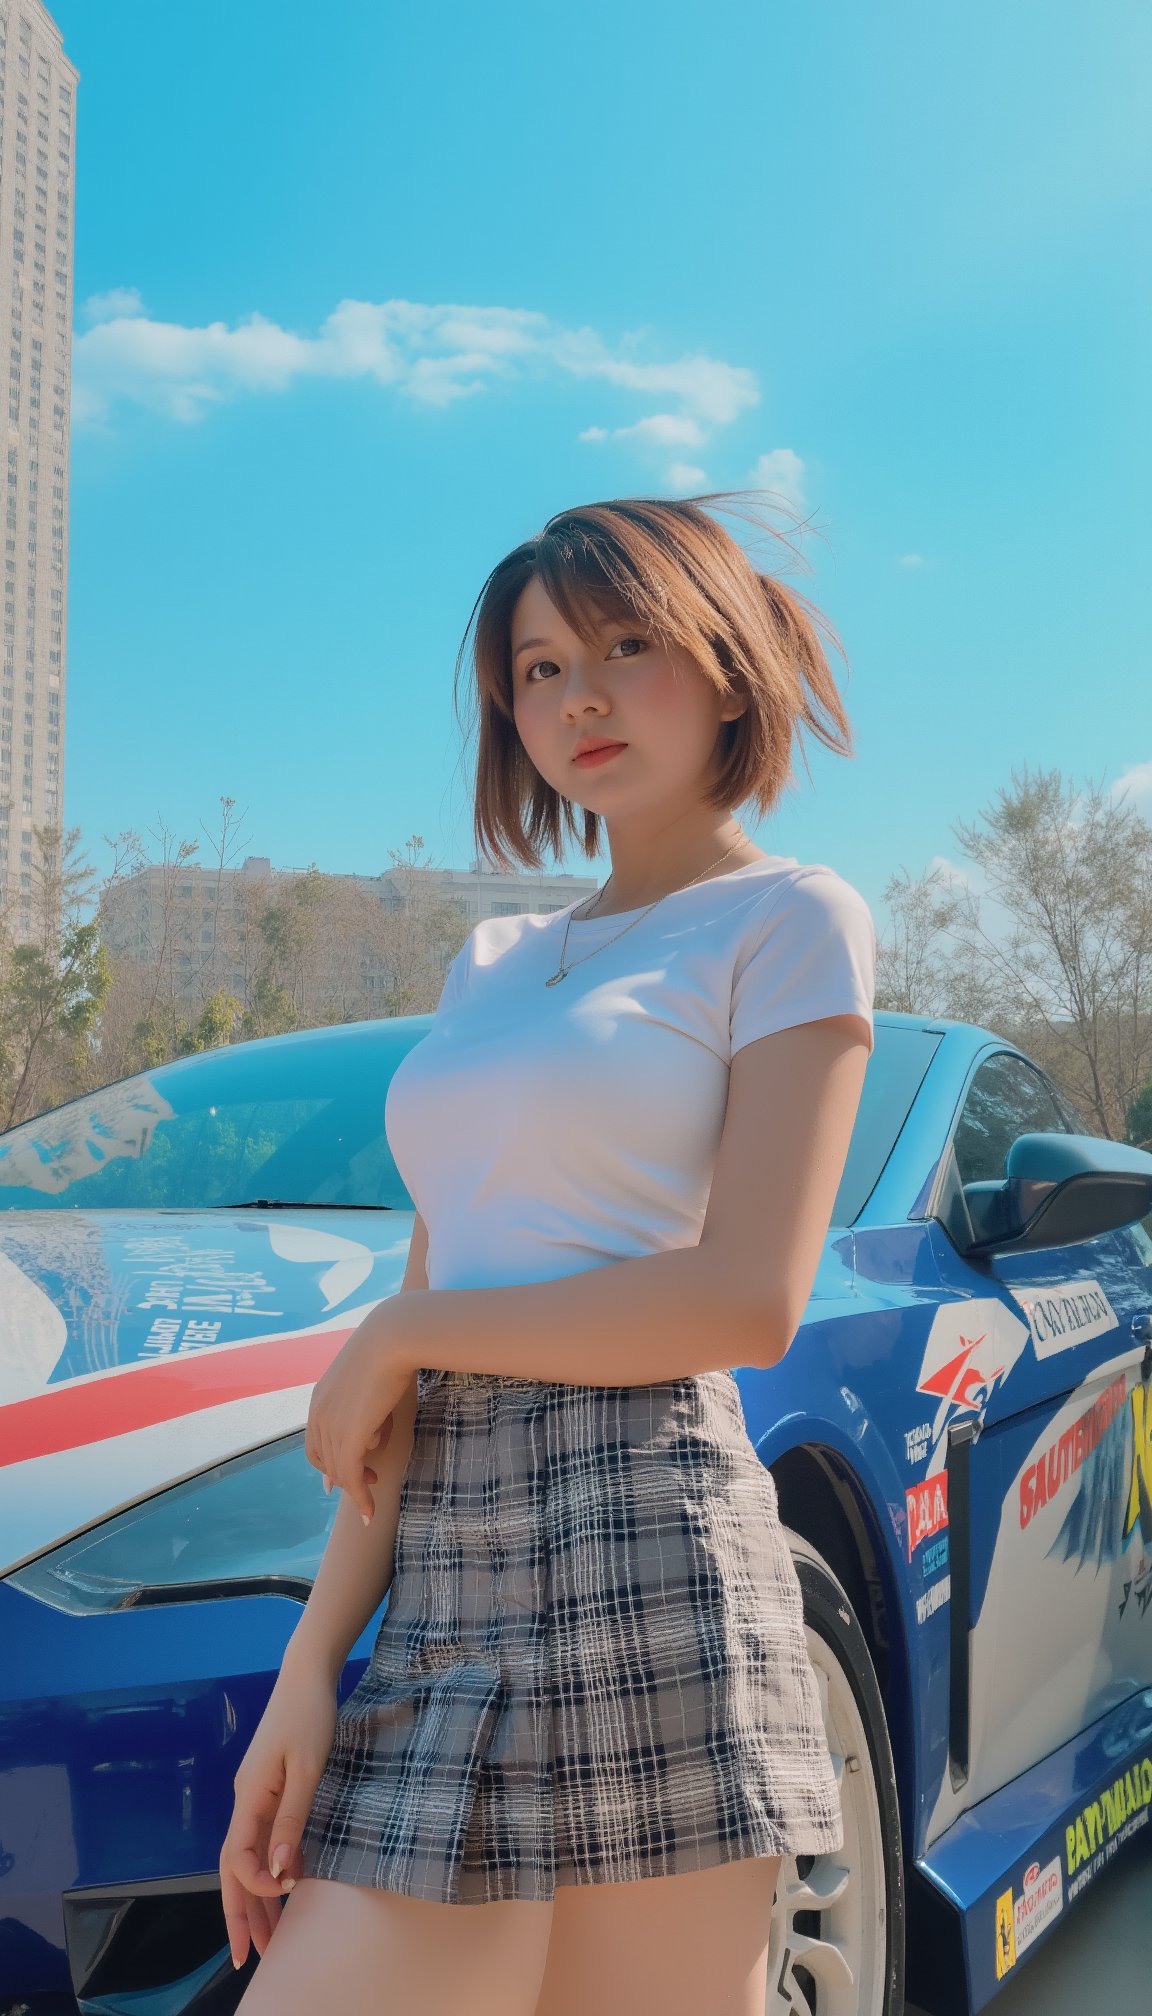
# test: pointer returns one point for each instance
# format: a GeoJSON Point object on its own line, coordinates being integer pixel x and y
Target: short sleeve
{"type": "Point", "coordinates": [812, 953]}
{"type": "Point", "coordinates": [454, 978]}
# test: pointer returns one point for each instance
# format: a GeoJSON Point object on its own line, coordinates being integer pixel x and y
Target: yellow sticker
{"type": "Point", "coordinates": [1005, 1935]}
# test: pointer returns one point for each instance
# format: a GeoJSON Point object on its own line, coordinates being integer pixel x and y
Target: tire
{"type": "Point", "coordinates": [837, 1941]}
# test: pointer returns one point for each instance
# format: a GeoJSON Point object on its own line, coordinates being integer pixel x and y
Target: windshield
{"type": "Point", "coordinates": [300, 1120]}
{"type": "Point", "coordinates": [295, 1120]}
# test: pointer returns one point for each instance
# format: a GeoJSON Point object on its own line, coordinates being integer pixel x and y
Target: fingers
{"type": "Point", "coordinates": [234, 1898]}
{"type": "Point", "coordinates": [288, 1825]}
{"type": "Point", "coordinates": [263, 1918]}
{"type": "Point", "coordinates": [359, 1490]}
{"type": "Point", "coordinates": [255, 1874]}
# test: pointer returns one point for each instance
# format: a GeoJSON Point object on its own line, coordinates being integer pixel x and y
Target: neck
{"type": "Point", "coordinates": [640, 878]}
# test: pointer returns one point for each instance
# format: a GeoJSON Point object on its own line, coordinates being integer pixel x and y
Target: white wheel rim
{"type": "Point", "coordinates": [827, 1952]}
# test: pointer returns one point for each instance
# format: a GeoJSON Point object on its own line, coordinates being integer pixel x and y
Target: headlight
{"type": "Point", "coordinates": [256, 1523]}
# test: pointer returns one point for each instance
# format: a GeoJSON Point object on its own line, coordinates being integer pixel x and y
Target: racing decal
{"type": "Point", "coordinates": [1112, 1508]}
{"type": "Point", "coordinates": [918, 1441]}
{"type": "Point", "coordinates": [933, 1598]}
{"type": "Point", "coordinates": [1021, 1919]}
{"type": "Point", "coordinates": [927, 1510]}
{"type": "Point", "coordinates": [103, 1333]}
{"type": "Point", "coordinates": [971, 1349]}
{"type": "Point", "coordinates": [1138, 1588]}
{"type": "Point", "coordinates": [33, 1333]}
{"type": "Point", "coordinates": [1140, 1487]}
{"type": "Point", "coordinates": [100, 1408]}
{"type": "Point", "coordinates": [1096, 1833]}
{"type": "Point", "coordinates": [1066, 1314]}
{"type": "Point", "coordinates": [1041, 1481]}
{"type": "Point", "coordinates": [934, 1557]}
{"type": "Point", "coordinates": [1005, 1935]}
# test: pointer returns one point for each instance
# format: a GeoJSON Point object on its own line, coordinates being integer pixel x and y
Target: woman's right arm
{"type": "Point", "coordinates": [356, 1568]}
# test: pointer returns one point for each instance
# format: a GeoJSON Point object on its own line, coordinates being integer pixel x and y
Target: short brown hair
{"type": "Point", "coordinates": [665, 562]}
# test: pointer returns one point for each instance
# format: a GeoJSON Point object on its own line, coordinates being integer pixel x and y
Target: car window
{"type": "Point", "coordinates": [1007, 1097]}
{"type": "Point", "coordinates": [894, 1075]}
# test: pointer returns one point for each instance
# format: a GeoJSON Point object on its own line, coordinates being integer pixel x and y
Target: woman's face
{"type": "Point", "coordinates": [624, 688]}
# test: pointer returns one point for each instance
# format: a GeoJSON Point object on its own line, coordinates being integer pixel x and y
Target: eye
{"type": "Point", "coordinates": [530, 669]}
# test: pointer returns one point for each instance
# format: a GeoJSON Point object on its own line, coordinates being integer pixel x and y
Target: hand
{"type": "Point", "coordinates": [351, 1407]}
{"type": "Point", "coordinates": [275, 1786]}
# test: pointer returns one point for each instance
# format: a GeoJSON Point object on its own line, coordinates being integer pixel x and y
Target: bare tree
{"type": "Point", "coordinates": [1070, 980]}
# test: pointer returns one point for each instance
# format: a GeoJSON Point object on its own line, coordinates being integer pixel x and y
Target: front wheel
{"type": "Point", "coordinates": [837, 1940]}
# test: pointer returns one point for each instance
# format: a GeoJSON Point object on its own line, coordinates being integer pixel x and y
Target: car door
{"type": "Point", "coordinates": [1047, 1462]}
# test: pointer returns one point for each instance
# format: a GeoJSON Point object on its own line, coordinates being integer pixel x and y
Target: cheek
{"type": "Point", "coordinates": [531, 724]}
{"type": "Point", "coordinates": [676, 706]}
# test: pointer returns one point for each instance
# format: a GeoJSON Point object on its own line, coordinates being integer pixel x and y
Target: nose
{"type": "Point", "coordinates": [581, 690]}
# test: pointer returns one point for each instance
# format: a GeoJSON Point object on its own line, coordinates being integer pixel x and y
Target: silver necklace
{"type": "Point", "coordinates": [566, 967]}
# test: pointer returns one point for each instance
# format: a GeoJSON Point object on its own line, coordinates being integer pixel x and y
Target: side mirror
{"type": "Point", "coordinates": [1059, 1188]}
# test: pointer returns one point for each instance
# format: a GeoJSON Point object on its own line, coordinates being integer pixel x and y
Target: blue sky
{"type": "Point", "coordinates": [364, 294]}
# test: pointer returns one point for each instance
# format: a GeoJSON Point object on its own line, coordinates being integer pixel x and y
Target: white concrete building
{"type": "Point", "coordinates": [37, 191]}
{"type": "Point", "coordinates": [184, 916]}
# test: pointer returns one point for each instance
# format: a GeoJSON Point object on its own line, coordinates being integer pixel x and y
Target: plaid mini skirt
{"type": "Point", "coordinates": [592, 1665]}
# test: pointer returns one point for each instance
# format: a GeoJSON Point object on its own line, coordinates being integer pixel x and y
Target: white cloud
{"type": "Point", "coordinates": [911, 560]}
{"type": "Point", "coordinates": [952, 871]}
{"type": "Point", "coordinates": [684, 477]}
{"type": "Point", "coordinates": [782, 472]}
{"type": "Point", "coordinates": [429, 354]}
{"type": "Point", "coordinates": [1136, 781]}
{"type": "Point", "coordinates": [117, 301]}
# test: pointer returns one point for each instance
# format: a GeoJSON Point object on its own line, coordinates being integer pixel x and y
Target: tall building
{"type": "Point", "coordinates": [37, 187]}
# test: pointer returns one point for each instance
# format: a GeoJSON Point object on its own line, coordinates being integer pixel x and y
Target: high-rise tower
{"type": "Point", "coordinates": [37, 189]}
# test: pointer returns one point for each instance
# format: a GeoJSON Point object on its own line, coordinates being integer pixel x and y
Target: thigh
{"type": "Point", "coordinates": [692, 1945]}
{"type": "Point", "coordinates": [366, 1952]}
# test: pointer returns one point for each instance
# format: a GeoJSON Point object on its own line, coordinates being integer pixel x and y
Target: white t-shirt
{"type": "Point", "coordinates": [544, 1130]}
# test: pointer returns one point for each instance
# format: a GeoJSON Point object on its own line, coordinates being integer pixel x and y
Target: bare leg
{"type": "Point", "coordinates": [692, 1945]}
{"type": "Point", "coordinates": [351, 1950]}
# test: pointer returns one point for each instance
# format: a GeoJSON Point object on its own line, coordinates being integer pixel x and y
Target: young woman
{"type": "Point", "coordinates": [589, 1715]}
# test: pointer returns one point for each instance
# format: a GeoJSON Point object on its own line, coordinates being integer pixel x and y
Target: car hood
{"type": "Point", "coordinates": [139, 1347]}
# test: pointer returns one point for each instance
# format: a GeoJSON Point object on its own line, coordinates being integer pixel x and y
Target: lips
{"type": "Point", "coordinates": [598, 749]}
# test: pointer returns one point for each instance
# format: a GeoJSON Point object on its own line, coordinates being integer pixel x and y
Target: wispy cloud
{"type": "Point", "coordinates": [428, 354]}
{"type": "Point", "coordinates": [782, 471]}
{"type": "Point", "coordinates": [1135, 785]}
{"type": "Point", "coordinates": [117, 301]}
{"type": "Point", "coordinates": [911, 560]}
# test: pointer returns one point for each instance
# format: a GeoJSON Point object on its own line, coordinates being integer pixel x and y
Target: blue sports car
{"type": "Point", "coordinates": [961, 1438]}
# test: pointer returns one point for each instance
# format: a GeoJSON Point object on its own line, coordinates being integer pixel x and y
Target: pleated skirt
{"type": "Point", "coordinates": [592, 1666]}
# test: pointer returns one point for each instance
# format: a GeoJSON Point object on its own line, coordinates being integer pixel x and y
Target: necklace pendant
{"type": "Point", "coordinates": [561, 975]}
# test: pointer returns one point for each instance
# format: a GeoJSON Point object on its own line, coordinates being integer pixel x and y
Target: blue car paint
{"type": "Point", "coordinates": [847, 1388]}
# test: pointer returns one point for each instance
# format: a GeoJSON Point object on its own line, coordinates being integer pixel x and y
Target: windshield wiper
{"type": "Point", "coordinates": [290, 1204]}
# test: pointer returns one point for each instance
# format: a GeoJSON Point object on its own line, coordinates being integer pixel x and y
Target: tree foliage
{"type": "Point", "coordinates": [1065, 970]}
{"type": "Point", "coordinates": [281, 952]}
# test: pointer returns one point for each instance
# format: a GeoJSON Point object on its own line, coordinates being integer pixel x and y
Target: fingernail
{"type": "Point", "coordinates": [289, 1883]}
{"type": "Point", "coordinates": [365, 1518]}
{"type": "Point", "coordinates": [327, 1483]}
{"type": "Point", "coordinates": [280, 1858]}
